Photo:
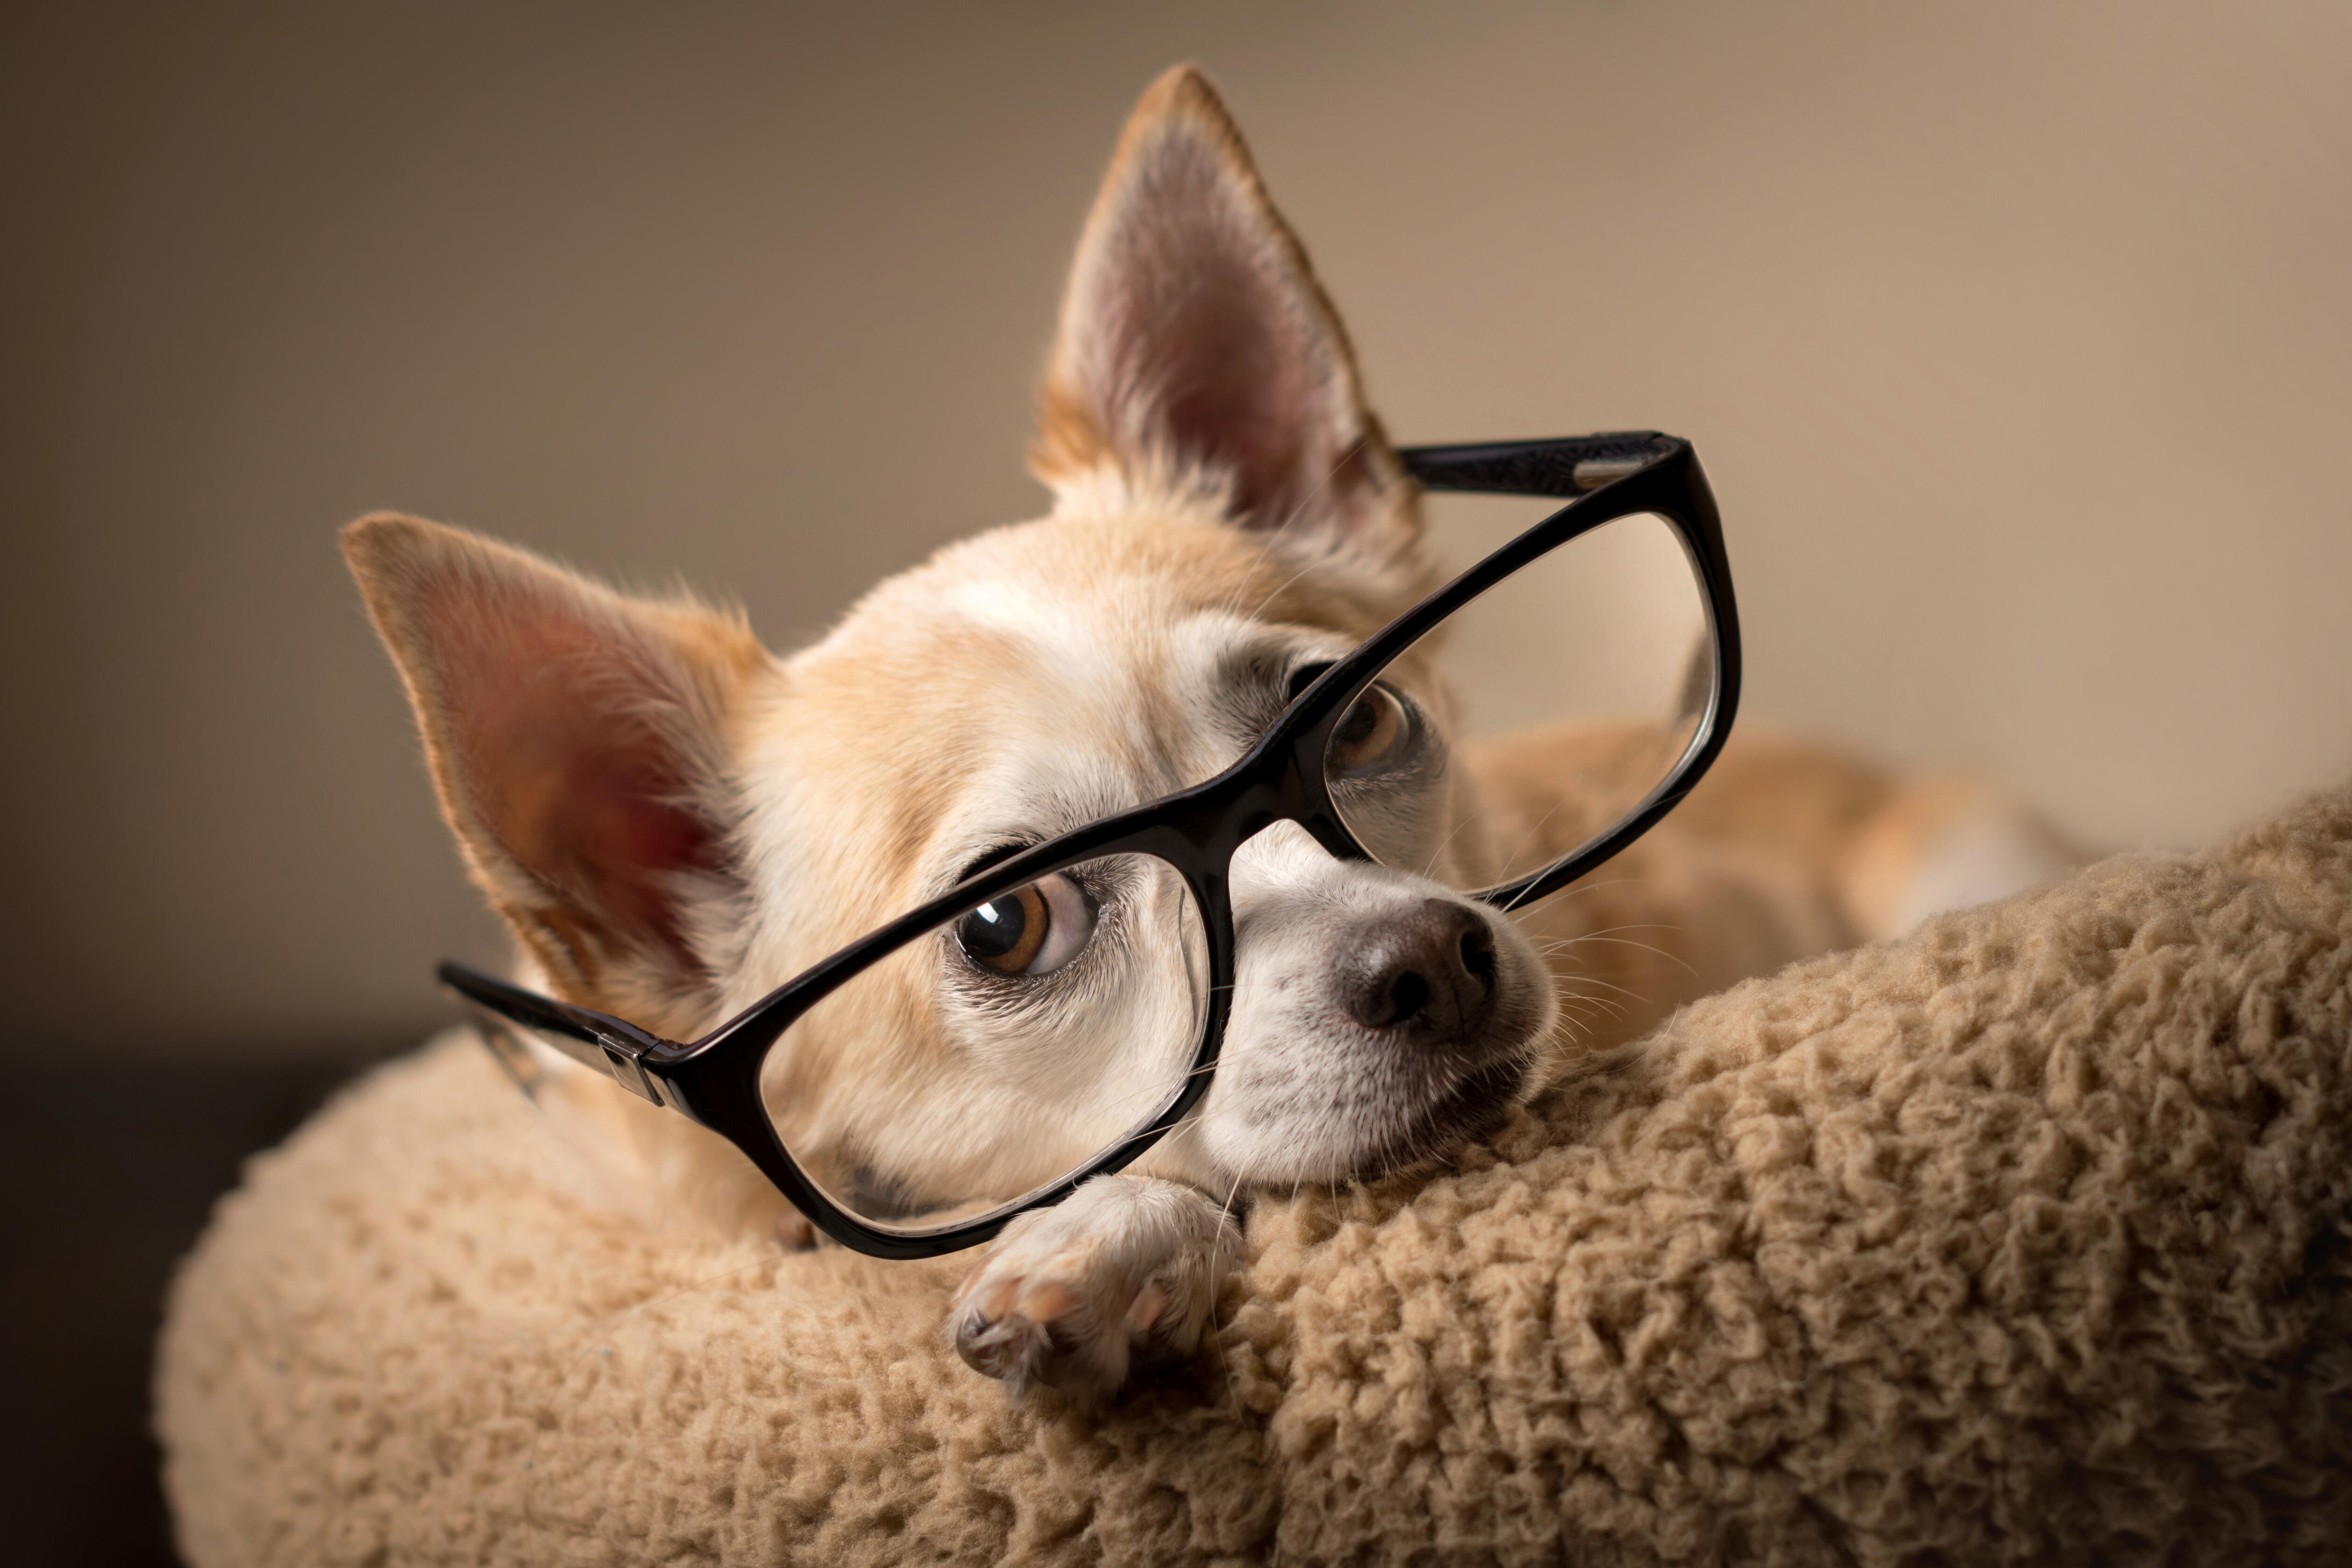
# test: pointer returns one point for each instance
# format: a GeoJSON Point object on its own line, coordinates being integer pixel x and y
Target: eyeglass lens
{"type": "Point", "coordinates": [1019, 1041]}
{"type": "Point", "coordinates": [1536, 717]}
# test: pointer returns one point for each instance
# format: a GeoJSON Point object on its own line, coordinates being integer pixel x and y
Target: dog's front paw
{"type": "Point", "coordinates": [1118, 1276]}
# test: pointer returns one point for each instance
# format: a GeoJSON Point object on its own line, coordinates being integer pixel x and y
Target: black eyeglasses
{"type": "Point", "coordinates": [1035, 950]}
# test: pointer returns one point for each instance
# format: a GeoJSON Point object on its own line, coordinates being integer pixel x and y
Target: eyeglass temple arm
{"type": "Point", "coordinates": [1566, 469]}
{"type": "Point", "coordinates": [611, 1045]}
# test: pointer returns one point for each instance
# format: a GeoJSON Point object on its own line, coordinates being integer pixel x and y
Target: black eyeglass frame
{"type": "Point", "coordinates": [715, 1080]}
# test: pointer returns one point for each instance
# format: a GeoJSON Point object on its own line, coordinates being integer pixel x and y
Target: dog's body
{"type": "Point", "coordinates": [674, 821]}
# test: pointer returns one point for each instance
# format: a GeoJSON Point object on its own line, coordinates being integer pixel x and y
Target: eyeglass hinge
{"type": "Point", "coordinates": [1594, 472]}
{"type": "Point", "coordinates": [628, 1070]}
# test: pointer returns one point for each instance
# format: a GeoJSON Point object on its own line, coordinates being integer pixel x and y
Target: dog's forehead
{"type": "Point", "coordinates": [1071, 665]}
{"type": "Point", "coordinates": [1160, 568]}
{"type": "Point", "coordinates": [1060, 613]}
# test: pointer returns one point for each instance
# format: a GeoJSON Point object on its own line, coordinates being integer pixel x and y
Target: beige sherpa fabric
{"type": "Point", "coordinates": [2022, 1240]}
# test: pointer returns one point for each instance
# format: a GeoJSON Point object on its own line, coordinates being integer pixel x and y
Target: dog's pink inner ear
{"type": "Point", "coordinates": [556, 725]}
{"type": "Point", "coordinates": [1194, 333]}
{"type": "Point", "coordinates": [1200, 350]}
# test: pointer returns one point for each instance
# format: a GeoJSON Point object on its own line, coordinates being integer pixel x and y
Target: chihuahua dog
{"type": "Point", "coordinates": [673, 821]}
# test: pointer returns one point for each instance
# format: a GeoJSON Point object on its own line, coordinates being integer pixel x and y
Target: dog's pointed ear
{"type": "Point", "coordinates": [1196, 345]}
{"type": "Point", "coordinates": [577, 741]}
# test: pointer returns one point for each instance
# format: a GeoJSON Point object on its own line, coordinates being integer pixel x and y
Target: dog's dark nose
{"type": "Point", "coordinates": [1429, 974]}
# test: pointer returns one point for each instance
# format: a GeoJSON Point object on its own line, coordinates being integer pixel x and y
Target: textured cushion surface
{"type": "Point", "coordinates": [2023, 1239]}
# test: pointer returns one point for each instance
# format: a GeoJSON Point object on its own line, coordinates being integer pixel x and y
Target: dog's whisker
{"type": "Point", "coordinates": [1563, 984]}
{"type": "Point", "coordinates": [1430, 867]}
{"type": "Point", "coordinates": [1635, 925]}
{"type": "Point", "coordinates": [1580, 889]}
{"type": "Point", "coordinates": [1529, 837]}
{"type": "Point", "coordinates": [1567, 989]}
{"type": "Point", "coordinates": [1551, 950]}
{"type": "Point", "coordinates": [1588, 1004]}
{"type": "Point", "coordinates": [1626, 992]}
{"type": "Point", "coordinates": [1646, 947]}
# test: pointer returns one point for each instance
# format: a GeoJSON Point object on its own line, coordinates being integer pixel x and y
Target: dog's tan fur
{"type": "Point", "coordinates": [1786, 849]}
{"type": "Point", "coordinates": [673, 821]}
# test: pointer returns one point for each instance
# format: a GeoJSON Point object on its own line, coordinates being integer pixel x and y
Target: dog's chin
{"type": "Point", "coordinates": [1476, 1107]}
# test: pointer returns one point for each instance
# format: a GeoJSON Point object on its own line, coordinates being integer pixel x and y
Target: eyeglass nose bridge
{"type": "Point", "coordinates": [1261, 792]}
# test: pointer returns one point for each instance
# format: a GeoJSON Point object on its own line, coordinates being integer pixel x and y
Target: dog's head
{"type": "Point", "coordinates": [674, 821]}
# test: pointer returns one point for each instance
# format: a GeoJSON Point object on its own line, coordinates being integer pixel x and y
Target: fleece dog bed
{"type": "Point", "coordinates": [2026, 1239]}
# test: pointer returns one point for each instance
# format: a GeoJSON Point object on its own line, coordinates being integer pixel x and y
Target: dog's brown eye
{"type": "Point", "coordinates": [1369, 733]}
{"type": "Point", "coordinates": [1033, 930]}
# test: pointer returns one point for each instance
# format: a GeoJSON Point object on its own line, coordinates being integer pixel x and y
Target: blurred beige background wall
{"type": "Point", "coordinates": [2016, 338]}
